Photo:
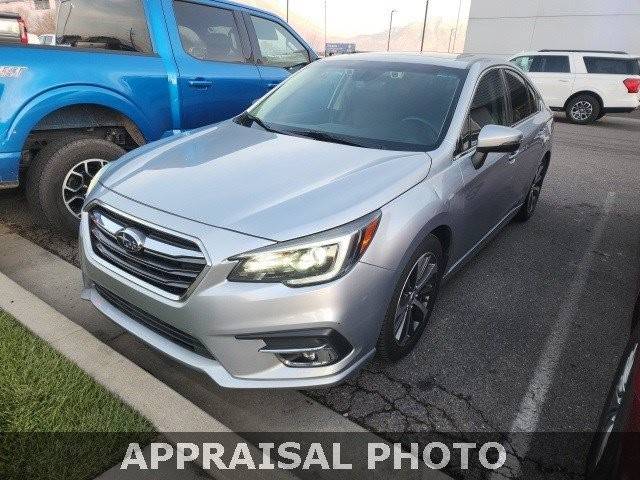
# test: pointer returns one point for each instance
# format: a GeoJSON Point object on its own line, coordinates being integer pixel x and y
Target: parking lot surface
{"type": "Point", "coordinates": [528, 334]}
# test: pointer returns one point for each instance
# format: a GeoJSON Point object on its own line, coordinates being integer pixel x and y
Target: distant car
{"type": "Point", "coordinates": [12, 28]}
{"type": "Point", "coordinates": [585, 84]}
{"type": "Point", "coordinates": [284, 247]}
{"type": "Point", "coordinates": [615, 450]}
{"type": "Point", "coordinates": [48, 39]}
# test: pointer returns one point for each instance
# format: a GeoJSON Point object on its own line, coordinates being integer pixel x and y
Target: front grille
{"type": "Point", "coordinates": [169, 332]}
{"type": "Point", "coordinates": [168, 262]}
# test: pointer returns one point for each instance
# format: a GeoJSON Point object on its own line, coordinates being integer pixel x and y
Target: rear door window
{"type": "Point", "coordinates": [612, 66]}
{"type": "Point", "coordinates": [208, 33]}
{"type": "Point", "coordinates": [114, 25]}
{"type": "Point", "coordinates": [550, 64]}
{"type": "Point", "coordinates": [278, 46]}
{"type": "Point", "coordinates": [487, 108]}
{"type": "Point", "coordinates": [520, 99]}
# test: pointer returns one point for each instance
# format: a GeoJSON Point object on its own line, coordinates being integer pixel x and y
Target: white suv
{"type": "Point", "coordinates": [585, 84]}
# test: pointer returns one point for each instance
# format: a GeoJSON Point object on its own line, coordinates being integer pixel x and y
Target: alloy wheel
{"type": "Point", "coordinates": [415, 301]}
{"type": "Point", "coordinates": [581, 111]}
{"type": "Point", "coordinates": [76, 183]}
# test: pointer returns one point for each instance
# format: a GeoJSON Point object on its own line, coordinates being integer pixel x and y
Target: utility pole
{"type": "Point", "coordinates": [390, 24]}
{"type": "Point", "coordinates": [325, 28]}
{"type": "Point", "coordinates": [424, 26]}
{"type": "Point", "coordinates": [287, 11]}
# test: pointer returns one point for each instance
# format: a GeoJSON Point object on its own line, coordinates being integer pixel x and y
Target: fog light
{"type": "Point", "coordinates": [303, 348]}
{"type": "Point", "coordinates": [318, 357]}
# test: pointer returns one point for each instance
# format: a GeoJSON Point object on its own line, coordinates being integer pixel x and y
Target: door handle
{"type": "Point", "coordinates": [271, 86]}
{"type": "Point", "coordinates": [563, 81]}
{"type": "Point", "coordinates": [200, 83]}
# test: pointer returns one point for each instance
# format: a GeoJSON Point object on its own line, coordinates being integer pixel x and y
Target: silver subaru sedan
{"type": "Point", "coordinates": [288, 245]}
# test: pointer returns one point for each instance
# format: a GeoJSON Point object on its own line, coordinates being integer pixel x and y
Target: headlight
{"type": "Point", "coordinates": [96, 178]}
{"type": "Point", "coordinates": [309, 260]}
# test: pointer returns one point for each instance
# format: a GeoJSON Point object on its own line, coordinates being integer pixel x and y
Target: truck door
{"type": "Point", "coordinates": [279, 52]}
{"type": "Point", "coordinates": [217, 75]}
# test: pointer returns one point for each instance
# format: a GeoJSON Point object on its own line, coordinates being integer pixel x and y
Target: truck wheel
{"type": "Point", "coordinates": [583, 109]}
{"type": "Point", "coordinates": [57, 180]}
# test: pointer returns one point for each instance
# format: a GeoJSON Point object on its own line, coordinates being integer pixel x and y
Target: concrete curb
{"type": "Point", "coordinates": [169, 411]}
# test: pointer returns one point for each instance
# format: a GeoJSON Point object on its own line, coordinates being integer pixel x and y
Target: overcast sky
{"type": "Point", "coordinates": [355, 17]}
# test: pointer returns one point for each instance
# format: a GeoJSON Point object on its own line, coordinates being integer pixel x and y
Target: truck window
{"type": "Point", "coordinates": [613, 66]}
{"type": "Point", "coordinates": [278, 47]}
{"type": "Point", "coordinates": [208, 33]}
{"type": "Point", "coordinates": [99, 24]}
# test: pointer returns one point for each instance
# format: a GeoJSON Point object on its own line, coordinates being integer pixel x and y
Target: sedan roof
{"type": "Point", "coordinates": [444, 59]}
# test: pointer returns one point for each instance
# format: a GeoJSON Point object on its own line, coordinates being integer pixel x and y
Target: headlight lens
{"type": "Point", "coordinates": [310, 260]}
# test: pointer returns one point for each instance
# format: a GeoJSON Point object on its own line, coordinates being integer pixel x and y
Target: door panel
{"type": "Point", "coordinates": [216, 77]}
{"type": "Point", "coordinates": [486, 194]}
{"type": "Point", "coordinates": [279, 52]}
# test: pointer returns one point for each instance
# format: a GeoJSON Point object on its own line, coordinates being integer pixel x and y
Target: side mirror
{"type": "Point", "coordinates": [496, 138]}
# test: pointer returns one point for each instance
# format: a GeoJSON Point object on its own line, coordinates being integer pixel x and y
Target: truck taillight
{"type": "Point", "coordinates": [23, 31]}
{"type": "Point", "coordinates": [632, 84]}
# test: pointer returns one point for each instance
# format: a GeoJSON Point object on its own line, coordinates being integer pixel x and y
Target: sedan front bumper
{"type": "Point", "coordinates": [227, 318]}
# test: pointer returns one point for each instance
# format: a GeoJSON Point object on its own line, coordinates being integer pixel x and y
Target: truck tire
{"type": "Point", "coordinates": [583, 109]}
{"type": "Point", "coordinates": [57, 180]}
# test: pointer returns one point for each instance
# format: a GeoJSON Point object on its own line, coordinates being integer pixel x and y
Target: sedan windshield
{"type": "Point", "coordinates": [372, 104]}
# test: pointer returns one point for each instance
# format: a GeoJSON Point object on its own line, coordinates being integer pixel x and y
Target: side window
{"type": "Point", "coordinates": [208, 33]}
{"type": "Point", "coordinates": [523, 63]}
{"type": "Point", "coordinates": [120, 25]}
{"type": "Point", "coordinates": [534, 100]}
{"type": "Point", "coordinates": [613, 66]}
{"type": "Point", "coordinates": [278, 47]}
{"type": "Point", "coordinates": [488, 107]}
{"type": "Point", "coordinates": [519, 96]}
{"type": "Point", "coordinates": [550, 64]}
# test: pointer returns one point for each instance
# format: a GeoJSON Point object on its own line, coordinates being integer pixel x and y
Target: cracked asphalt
{"type": "Point", "coordinates": [493, 319]}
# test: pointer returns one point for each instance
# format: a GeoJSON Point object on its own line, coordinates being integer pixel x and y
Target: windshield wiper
{"type": "Point", "coordinates": [325, 137]}
{"type": "Point", "coordinates": [246, 116]}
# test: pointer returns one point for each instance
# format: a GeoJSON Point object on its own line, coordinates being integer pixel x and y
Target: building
{"type": "Point", "coordinates": [504, 27]}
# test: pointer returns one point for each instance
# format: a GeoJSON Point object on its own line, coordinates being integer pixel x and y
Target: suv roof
{"type": "Point", "coordinates": [616, 52]}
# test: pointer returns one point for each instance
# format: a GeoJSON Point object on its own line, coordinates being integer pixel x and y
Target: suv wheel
{"type": "Point", "coordinates": [57, 180]}
{"type": "Point", "coordinates": [413, 300]}
{"type": "Point", "coordinates": [583, 109]}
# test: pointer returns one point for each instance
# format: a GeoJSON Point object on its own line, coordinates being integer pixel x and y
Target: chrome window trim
{"type": "Point", "coordinates": [137, 281]}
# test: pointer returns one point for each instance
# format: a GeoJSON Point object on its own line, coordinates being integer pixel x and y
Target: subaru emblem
{"type": "Point", "coordinates": [131, 239]}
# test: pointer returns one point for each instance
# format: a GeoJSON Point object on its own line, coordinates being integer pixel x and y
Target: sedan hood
{"type": "Point", "coordinates": [264, 184]}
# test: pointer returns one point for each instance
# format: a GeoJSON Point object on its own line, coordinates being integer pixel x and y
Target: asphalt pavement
{"type": "Point", "coordinates": [526, 336]}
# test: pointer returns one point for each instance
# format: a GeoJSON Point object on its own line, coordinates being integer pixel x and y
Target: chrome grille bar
{"type": "Point", "coordinates": [167, 262]}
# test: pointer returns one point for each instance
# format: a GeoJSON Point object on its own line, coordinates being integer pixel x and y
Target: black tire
{"type": "Point", "coordinates": [533, 195]}
{"type": "Point", "coordinates": [49, 170]}
{"type": "Point", "coordinates": [583, 109]}
{"type": "Point", "coordinates": [389, 347]}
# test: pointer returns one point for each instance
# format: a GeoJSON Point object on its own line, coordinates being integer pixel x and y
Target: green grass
{"type": "Point", "coordinates": [56, 422]}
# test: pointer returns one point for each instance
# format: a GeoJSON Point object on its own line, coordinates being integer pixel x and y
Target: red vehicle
{"type": "Point", "coordinates": [615, 450]}
{"type": "Point", "coordinates": [12, 28]}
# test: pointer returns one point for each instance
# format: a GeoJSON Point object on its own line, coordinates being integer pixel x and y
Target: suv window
{"type": "Point", "coordinates": [487, 108]}
{"type": "Point", "coordinates": [208, 33]}
{"type": "Point", "coordinates": [615, 66]}
{"type": "Point", "coordinates": [114, 25]}
{"type": "Point", "coordinates": [519, 97]}
{"type": "Point", "coordinates": [550, 64]}
{"type": "Point", "coordinates": [278, 47]}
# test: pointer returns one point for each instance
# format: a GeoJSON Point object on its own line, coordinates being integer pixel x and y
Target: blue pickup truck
{"type": "Point", "coordinates": [124, 73]}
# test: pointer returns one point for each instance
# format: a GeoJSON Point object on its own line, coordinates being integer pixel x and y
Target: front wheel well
{"type": "Point", "coordinates": [90, 120]}
{"type": "Point", "coordinates": [443, 234]}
